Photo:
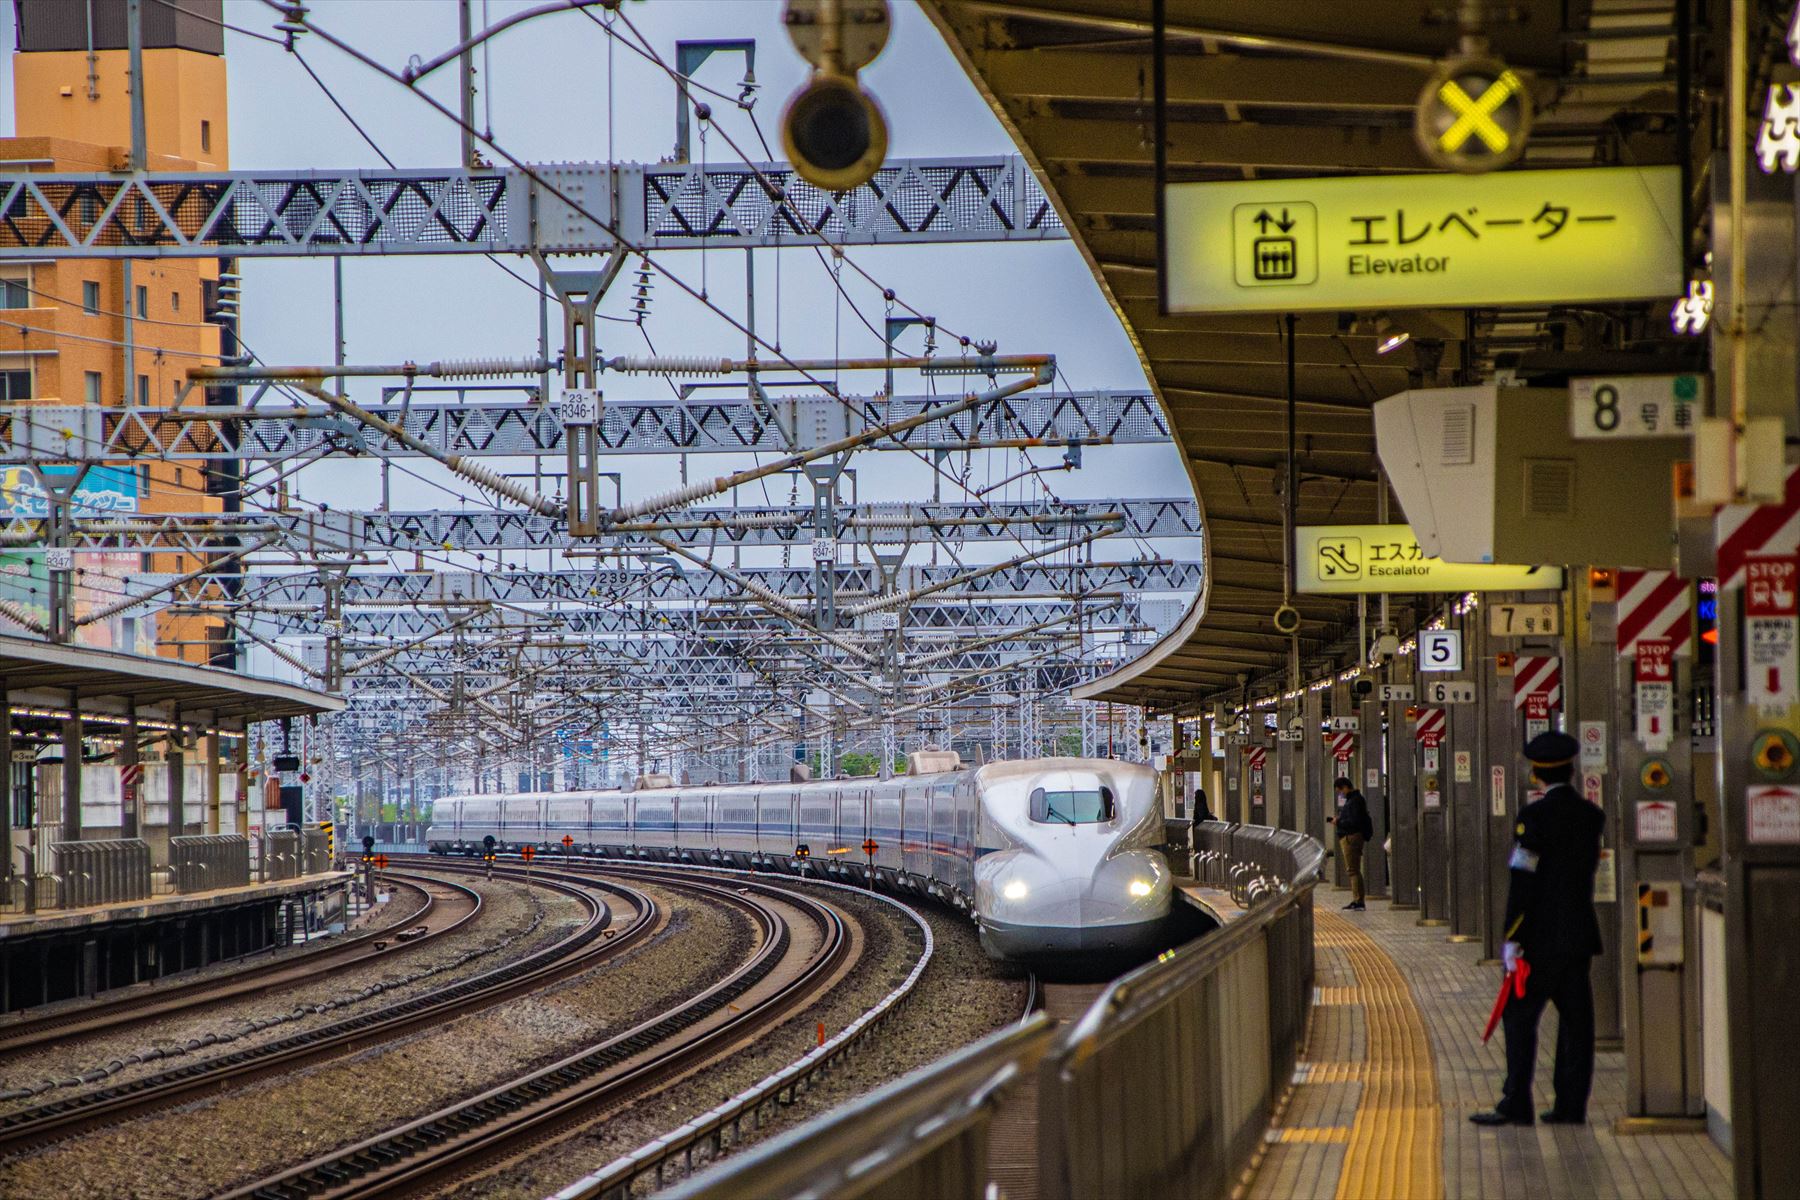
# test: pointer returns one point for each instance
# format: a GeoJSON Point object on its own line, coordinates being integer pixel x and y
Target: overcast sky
{"type": "Point", "coordinates": [548, 85]}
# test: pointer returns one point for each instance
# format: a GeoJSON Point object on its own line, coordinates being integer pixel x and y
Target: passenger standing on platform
{"type": "Point", "coordinates": [1354, 828]}
{"type": "Point", "coordinates": [1201, 810]}
{"type": "Point", "coordinates": [1551, 926]}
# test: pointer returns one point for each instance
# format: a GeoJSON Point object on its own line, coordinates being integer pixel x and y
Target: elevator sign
{"type": "Point", "coordinates": [1416, 241]}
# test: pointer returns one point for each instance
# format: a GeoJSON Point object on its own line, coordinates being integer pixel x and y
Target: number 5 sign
{"type": "Point", "coordinates": [1440, 650]}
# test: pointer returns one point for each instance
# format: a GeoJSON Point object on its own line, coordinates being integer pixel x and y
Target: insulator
{"type": "Point", "coordinates": [484, 368]}
{"type": "Point", "coordinates": [671, 366]}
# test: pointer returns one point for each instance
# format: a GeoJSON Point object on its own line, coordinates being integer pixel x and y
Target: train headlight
{"type": "Point", "coordinates": [1140, 887]}
{"type": "Point", "coordinates": [1015, 890]}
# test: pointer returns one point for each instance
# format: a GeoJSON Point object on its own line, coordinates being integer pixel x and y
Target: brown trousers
{"type": "Point", "coordinates": [1353, 858]}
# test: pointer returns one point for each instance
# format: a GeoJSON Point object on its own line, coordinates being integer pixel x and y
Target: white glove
{"type": "Point", "coordinates": [1510, 954]}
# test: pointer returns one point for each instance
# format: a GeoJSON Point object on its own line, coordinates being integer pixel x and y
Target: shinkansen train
{"type": "Point", "coordinates": [1052, 857]}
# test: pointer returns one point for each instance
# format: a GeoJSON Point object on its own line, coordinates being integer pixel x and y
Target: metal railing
{"type": "Point", "coordinates": [1163, 1087]}
{"type": "Point", "coordinates": [207, 863]}
{"type": "Point", "coordinates": [103, 871]}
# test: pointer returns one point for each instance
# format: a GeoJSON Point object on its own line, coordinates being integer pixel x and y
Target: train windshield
{"type": "Point", "coordinates": [1073, 808]}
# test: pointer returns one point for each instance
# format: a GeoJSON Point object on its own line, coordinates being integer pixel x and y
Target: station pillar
{"type": "Point", "coordinates": [1312, 784]}
{"type": "Point", "coordinates": [1759, 803]}
{"type": "Point", "coordinates": [1468, 797]}
{"type": "Point", "coordinates": [1401, 792]}
{"type": "Point", "coordinates": [71, 772]}
{"type": "Point", "coordinates": [1286, 758]}
{"type": "Point", "coordinates": [1236, 806]}
{"type": "Point", "coordinates": [1373, 780]}
{"type": "Point", "coordinates": [1596, 721]}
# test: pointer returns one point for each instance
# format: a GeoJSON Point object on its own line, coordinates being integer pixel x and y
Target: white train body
{"type": "Point", "coordinates": [1052, 856]}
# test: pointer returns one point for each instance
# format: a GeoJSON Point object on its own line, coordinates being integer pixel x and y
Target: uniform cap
{"type": "Point", "coordinates": [1552, 749]}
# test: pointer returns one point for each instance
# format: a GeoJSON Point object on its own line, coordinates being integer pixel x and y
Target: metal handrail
{"type": "Point", "coordinates": [873, 1141]}
{"type": "Point", "coordinates": [909, 1137]}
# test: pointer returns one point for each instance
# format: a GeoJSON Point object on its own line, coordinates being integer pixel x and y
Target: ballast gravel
{"type": "Point", "coordinates": [511, 921]}
{"type": "Point", "coordinates": [257, 1131]}
{"type": "Point", "coordinates": [962, 997]}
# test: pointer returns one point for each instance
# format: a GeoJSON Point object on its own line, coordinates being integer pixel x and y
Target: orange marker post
{"type": "Point", "coordinates": [821, 1033]}
{"type": "Point", "coordinates": [528, 853]}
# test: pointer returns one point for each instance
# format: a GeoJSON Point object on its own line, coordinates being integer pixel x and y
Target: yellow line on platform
{"type": "Point", "coordinates": [1395, 1146]}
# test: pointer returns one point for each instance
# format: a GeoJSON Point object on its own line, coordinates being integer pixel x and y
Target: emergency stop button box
{"type": "Point", "coordinates": [1275, 244]}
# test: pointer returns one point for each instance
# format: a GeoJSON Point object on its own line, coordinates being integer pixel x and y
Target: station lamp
{"type": "Point", "coordinates": [1389, 335]}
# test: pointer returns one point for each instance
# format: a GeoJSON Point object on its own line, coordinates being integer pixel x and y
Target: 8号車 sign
{"type": "Point", "coordinates": [1771, 625]}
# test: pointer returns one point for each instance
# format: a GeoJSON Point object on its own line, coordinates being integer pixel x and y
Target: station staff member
{"type": "Point", "coordinates": [1551, 925]}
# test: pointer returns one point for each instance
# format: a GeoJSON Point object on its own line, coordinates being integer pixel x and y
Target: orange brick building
{"type": "Point", "coordinates": [106, 332]}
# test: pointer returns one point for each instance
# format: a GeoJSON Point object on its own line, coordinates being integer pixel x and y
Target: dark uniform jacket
{"type": "Point", "coordinates": [1550, 905]}
{"type": "Point", "coordinates": [1354, 817]}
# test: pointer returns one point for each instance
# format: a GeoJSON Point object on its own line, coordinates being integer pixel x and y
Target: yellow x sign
{"type": "Point", "coordinates": [1475, 118]}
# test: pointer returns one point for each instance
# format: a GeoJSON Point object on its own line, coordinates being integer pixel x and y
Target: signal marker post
{"type": "Point", "coordinates": [870, 846]}
{"type": "Point", "coordinates": [528, 853]}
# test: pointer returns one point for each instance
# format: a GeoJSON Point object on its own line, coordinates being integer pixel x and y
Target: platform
{"type": "Point", "coordinates": [1395, 1064]}
{"type": "Point", "coordinates": [1214, 902]}
{"type": "Point", "coordinates": [63, 954]}
{"type": "Point", "coordinates": [15, 925]}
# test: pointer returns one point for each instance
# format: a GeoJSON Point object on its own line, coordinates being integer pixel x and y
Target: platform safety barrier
{"type": "Point", "coordinates": [1163, 1087]}
{"type": "Point", "coordinates": [101, 871]}
{"type": "Point", "coordinates": [316, 852]}
{"type": "Point", "coordinates": [207, 863]}
{"type": "Point", "coordinates": [281, 855]}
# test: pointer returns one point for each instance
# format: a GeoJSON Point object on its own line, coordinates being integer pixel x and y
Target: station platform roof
{"type": "Point", "coordinates": [1272, 91]}
{"type": "Point", "coordinates": [37, 674]}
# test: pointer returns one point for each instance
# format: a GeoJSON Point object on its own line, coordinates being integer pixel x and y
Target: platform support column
{"type": "Point", "coordinates": [6, 805]}
{"type": "Point", "coordinates": [1468, 799]}
{"type": "Point", "coordinates": [1600, 722]}
{"type": "Point", "coordinates": [1236, 806]}
{"type": "Point", "coordinates": [1401, 793]}
{"type": "Point", "coordinates": [1314, 783]}
{"type": "Point", "coordinates": [71, 771]}
{"type": "Point", "coordinates": [1373, 780]}
{"type": "Point", "coordinates": [1286, 755]}
{"type": "Point", "coordinates": [209, 752]}
{"type": "Point", "coordinates": [130, 804]}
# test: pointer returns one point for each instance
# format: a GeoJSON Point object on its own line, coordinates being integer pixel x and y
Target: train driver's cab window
{"type": "Point", "coordinates": [1073, 808]}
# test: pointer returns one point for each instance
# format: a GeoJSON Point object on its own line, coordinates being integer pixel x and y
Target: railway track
{"type": "Point", "coordinates": [595, 941]}
{"type": "Point", "coordinates": [475, 1136]}
{"type": "Point", "coordinates": [448, 907]}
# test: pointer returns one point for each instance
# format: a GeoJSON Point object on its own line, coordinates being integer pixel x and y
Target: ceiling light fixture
{"type": "Point", "coordinates": [1389, 335]}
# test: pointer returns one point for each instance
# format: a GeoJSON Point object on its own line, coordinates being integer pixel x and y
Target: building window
{"type": "Point", "coordinates": [144, 391]}
{"type": "Point", "coordinates": [15, 385]}
{"type": "Point", "coordinates": [143, 301]}
{"type": "Point", "coordinates": [90, 297]}
{"type": "Point", "coordinates": [93, 385]}
{"type": "Point", "coordinates": [206, 135]}
{"type": "Point", "coordinates": [174, 301]}
{"type": "Point", "coordinates": [14, 294]}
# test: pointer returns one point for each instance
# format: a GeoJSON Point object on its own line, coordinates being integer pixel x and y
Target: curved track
{"type": "Point", "coordinates": [594, 942]}
{"type": "Point", "coordinates": [472, 1137]}
{"type": "Point", "coordinates": [448, 907]}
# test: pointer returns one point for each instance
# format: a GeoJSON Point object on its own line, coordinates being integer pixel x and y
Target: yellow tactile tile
{"type": "Point", "coordinates": [1395, 1146]}
{"type": "Point", "coordinates": [1393, 1143]}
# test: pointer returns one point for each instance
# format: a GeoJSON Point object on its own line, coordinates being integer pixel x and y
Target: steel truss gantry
{"type": "Point", "coordinates": [452, 589]}
{"type": "Point", "coordinates": [245, 214]}
{"type": "Point", "coordinates": [477, 424]}
{"type": "Point", "coordinates": [744, 526]}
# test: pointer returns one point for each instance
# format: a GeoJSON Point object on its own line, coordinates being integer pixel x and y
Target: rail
{"type": "Point", "coordinates": [1212, 1029]}
{"type": "Point", "coordinates": [719, 1128]}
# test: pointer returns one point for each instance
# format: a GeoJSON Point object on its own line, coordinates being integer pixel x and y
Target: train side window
{"type": "Point", "coordinates": [1072, 808]}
